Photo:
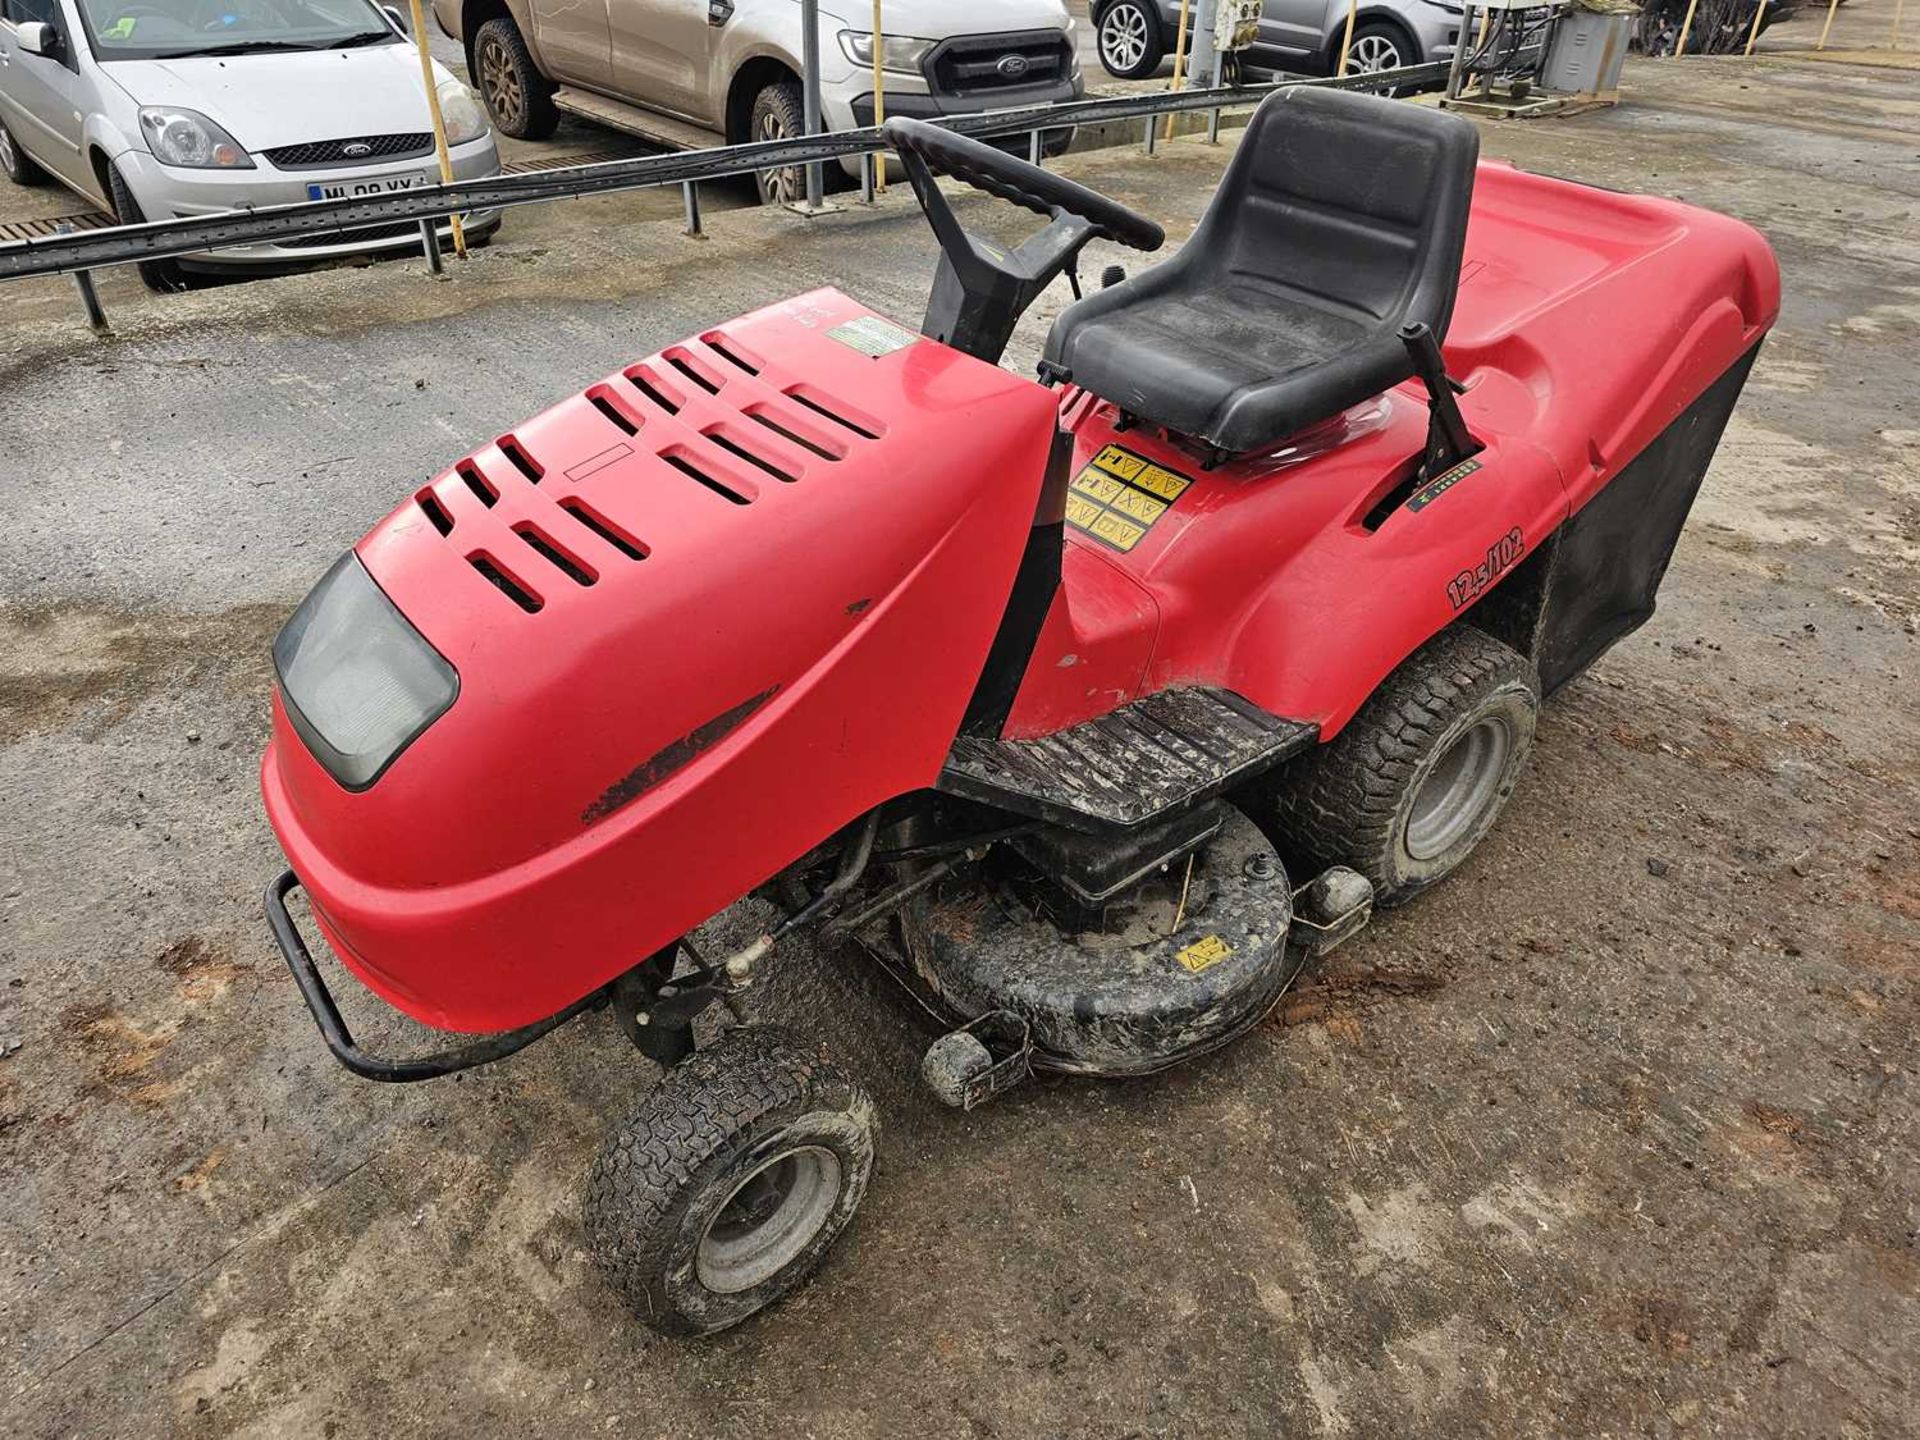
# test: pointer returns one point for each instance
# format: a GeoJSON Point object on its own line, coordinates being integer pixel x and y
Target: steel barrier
{"type": "Point", "coordinates": [166, 239]}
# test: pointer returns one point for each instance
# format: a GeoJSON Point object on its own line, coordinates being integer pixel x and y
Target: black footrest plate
{"type": "Point", "coordinates": [1145, 761]}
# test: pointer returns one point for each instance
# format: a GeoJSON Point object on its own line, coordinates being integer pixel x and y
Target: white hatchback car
{"type": "Point", "coordinates": [157, 109]}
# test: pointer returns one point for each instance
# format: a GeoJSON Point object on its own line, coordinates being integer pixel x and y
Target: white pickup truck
{"type": "Point", "coordinates": [699, 72]}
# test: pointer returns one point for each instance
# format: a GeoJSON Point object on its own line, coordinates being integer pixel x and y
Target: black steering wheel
{"type": "Point", "coordinates": [981, 289]}
{"type": "Point", "coordinates": [1013, 179]}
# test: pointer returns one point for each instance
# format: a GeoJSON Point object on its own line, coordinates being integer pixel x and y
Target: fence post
{"type": "Point", "coordinates": [439, 125]}
{"type": "Point", "coordinates": [810, 99]}
{"type": "Point", "coordinates": [430, 243]}
{"type": "Point", "coordinates": [83, 282]}
{"type": "Point", "coordinates": [690, 199]}
{"type": "Point", "coordinates": [1346, 40]}
{"type": "Point", "coordinates": [1754, 34]}
{"type": "Point", "coordinates": [1832, 5]}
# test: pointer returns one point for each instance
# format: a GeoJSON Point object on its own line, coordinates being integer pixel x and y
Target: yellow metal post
{"type": "Point", "coordinates": [1346, 40]}
{"type": "Point", "coordinates": [879, 102]}
{"type": "Point", "coordinates": [1893, 36]}
{"type": "Point", "coordinates": [1832, 5]}
{"type": "Point", "coordinates": [439, 120]}
{"type": "Point", "coordinates": [1179, 61]}
{"type": "Point", "coordinates": [1754, 34]}
{"type": "Point", "coordinates": [1686, 29]}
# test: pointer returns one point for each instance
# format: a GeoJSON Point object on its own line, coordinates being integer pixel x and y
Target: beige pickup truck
{"type": "Point", "coordinates": [703, 72]}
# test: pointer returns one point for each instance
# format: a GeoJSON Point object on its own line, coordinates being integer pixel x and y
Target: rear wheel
{"type": "Point", "coordinates": [1129, 39]}
{"type": "Point", "coordinates": [1418, 777]}
{"type": "Point", "coordinates": [728, 1184]}
{"type": "Point", "coordinates": [517, 96]}
{"type": "Point", "coordinates": [164, 277]}
{"type": "Point", "coordinates": [778, 114]}
{"type": "Point", "coordinates": [18, 165]}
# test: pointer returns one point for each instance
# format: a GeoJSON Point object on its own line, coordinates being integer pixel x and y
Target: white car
{"type": "Point", "coordinates": [704, 72]}
{"type": "Point", "coordinates": [157, 109]}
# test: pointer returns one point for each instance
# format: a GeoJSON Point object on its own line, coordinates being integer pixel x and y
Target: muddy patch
{"type": "Point", "coordinates": [72, 668]}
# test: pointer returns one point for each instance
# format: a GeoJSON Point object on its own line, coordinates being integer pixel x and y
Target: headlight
{"type": "Point", "coordinates": [465, 119]}
{"type": "Point", "coordinates": [902, 54]}
{"type": "Point", "coordinates": [188, 138]}
{"type": "Point", "coordinates": [358, 681]}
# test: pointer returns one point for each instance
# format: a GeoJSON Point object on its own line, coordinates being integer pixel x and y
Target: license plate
{"type": "Point", "coordinates": [358, 189]}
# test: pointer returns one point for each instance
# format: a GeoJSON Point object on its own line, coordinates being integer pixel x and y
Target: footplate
{"type": "Point", "coordinates": [1145, 761]}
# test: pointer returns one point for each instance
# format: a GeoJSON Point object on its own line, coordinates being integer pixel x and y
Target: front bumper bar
{"type": "Point", "coordinates": [333, 1029]}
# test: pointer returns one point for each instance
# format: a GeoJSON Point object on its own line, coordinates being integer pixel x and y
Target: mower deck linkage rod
{"type": "Point", "coordinates": [164, 239]}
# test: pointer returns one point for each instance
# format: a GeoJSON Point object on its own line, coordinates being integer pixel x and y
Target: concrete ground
{"type": "Point", "coordinates": [1615, 1134]}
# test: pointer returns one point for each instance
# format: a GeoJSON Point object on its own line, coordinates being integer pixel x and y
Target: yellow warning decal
{"type": "Point", "coordinates": [1205, 952]}
{"type": "Point", "coordinates": [1118, 495]}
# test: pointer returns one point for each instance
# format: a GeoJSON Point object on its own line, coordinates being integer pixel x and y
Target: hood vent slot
{"type": "Point", "coordinates": [575, 570]}
{"type": "Point", "coordinates": [818, 407]}
{"type": "Point", "coordinates": [435, 512]}
{"type": "Point", "coordinates": [685, 465]}
{"type": "Point", "coordinates": [477, 483]}
{"type": "Point", "coordinates": [826, 450]}
{"type": "Point", "coordinates": [729, 352]}
{"type": "Point", "coordinates": [603, 402]}
{"type": "Point", "coordinates": [681, 361]}
{"type": "Point", "coordinates": [734, 448]}
{"type": "Point", "coordinates": [505, 583]}
{"type": "Point", "coordinates": [522, 461]}
{"type": "Point", "coordinates": [608, 531]}
{"type": "Point", "coordinates": [647, 383]}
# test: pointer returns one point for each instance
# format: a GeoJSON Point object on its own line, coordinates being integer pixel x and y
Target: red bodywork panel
{"type": "Point", "coordinates": [1586, 322]}
{"type": "Point", "coordinates": [648, 747]}
{"type": "Point", "coordinates": [490, 877]}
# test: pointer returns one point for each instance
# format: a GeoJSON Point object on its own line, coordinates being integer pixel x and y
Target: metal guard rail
{"type": "Point", "coordinates": [165, 239]}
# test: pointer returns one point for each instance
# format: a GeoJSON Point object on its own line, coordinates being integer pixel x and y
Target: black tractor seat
{"type": "Point", "coordinates": [1340, 220]}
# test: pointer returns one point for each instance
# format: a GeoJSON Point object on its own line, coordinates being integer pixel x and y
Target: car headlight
{"type": "Point", "coordinates": [189, 139]}
{"type": "Point", "coordinates": [902, 54]}
{"type": "Point", "coordinates": [358, 681]}
{"type": "Point", "coordinates": [464, 118]}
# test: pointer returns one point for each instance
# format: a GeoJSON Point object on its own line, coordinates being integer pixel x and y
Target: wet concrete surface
{"type": "Point", "coordinates": [1614, 1134]}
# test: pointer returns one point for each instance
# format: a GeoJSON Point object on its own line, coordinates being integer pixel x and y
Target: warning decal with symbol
{"type": "Point", "coordinates": [1119, 495]}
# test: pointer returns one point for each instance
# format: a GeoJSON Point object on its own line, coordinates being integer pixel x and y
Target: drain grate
{"type": "Point", "coordinates": [13, 231]}
{"type": "Point", "coordinates": [560, 162]}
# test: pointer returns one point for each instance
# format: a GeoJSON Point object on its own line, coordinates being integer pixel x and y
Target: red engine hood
{"type": "Point", "coordinates": [703, 614]}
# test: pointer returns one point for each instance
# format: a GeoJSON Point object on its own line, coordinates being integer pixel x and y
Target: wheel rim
{"type": "Point", "coordinates": [1123, 37]}
{"type": "Point", "coordinates": [1460, 789]}
{"type": "Point", "coordinates": [770, 1217]}
{"type": "Point", "coordinates": [1372, 53]}
{"type": "Point", "coordinates": [782, 186]}
{"type": "Point", "coordinates": [500, 82]}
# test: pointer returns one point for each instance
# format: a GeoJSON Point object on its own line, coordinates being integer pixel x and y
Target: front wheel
{"type": "Point", "coordinates": [1129, 39]}
{"type": "Point", "coordinates": [728, 1184]}
{"type": "Point", "coordinates": [163, 277]}
{"type": "Point", "coordinates": [778, 114]}
{"type": "Point", "coordinates": [1378, 46]}
{"type": "Point", "coordinates": [1417, 778]}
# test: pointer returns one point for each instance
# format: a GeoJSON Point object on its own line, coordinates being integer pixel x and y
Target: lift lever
{"type": "Point", "coordinates": [1448, 439]}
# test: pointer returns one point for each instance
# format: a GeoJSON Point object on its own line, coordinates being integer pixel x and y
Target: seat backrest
{"type": "Point", "coordinates": [1348, 202]}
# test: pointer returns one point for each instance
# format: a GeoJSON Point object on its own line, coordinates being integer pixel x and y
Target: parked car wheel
{"type": "Point", "coordinates": [728, 1184]}
{"type": "Point", "coordinates": [20, 168]}
{"type": "Point", "coordinates": [1415, 780]}
{"type": "Point", "coordinates": [778, 115]}
{"type": "Point", "coordinates": [517, 96]}
{"type": "Point", "coordinates": [1379, 45]}
{"type": "Point", "coordinates": [164, 277]}
{"type": "Point", "coordinates": [1129, 39]}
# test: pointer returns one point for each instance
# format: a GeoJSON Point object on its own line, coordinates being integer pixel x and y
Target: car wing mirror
{"type": "Point", "coordinates": [36, 37]}
{"type": "Point", "coordinates": [399, 20]}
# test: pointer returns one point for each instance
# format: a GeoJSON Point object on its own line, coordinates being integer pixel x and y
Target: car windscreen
{"type": "Point", "coordinates": [165, 29]}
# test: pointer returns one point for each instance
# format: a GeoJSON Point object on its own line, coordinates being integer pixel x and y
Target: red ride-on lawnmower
{"type": "Point", "coordinates": [1091, 709]}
